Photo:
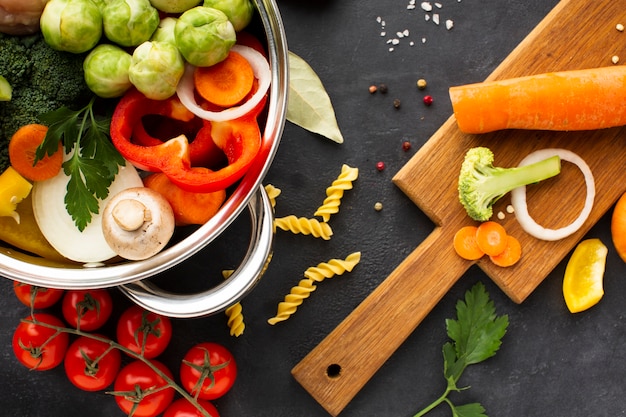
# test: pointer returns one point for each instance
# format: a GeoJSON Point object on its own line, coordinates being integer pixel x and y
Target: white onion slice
{"type": "Point", "coordinates": [261, 70]}
{"type": "Point", "coordinates": [518, 197]}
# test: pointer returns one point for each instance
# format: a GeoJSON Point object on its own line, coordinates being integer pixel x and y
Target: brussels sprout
{"type": "Point", "coordinates": [239, 12]}
{"type": "Point", "coordinates": [71, 25]}
{"type": "Point", "coordinates": [174, 6]}
{"type": "Point", "coordinates": [156, 68]}
{"type": "Point", "coordinates": [204, 36]}
{"type": "Point", "coordinates": [129, 22]}
{"type": "Point", "coordinates": [165, 31]}
{"type": "Point", "coordinates": [106, 70]}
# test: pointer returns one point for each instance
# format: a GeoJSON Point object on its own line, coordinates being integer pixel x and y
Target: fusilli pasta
{"type": "Point", "coordinates": [292, 300]}
{"type": "Point", "coordinates": [305, 226]}
{"type": "Point", "coordinates": [234, 313]}
{"type": "Point", "coordinates": [334, 193]}
{"type": "Point", "coordinates": [333, 267]}
{"type": "Point", "coordinates": [272, 193]}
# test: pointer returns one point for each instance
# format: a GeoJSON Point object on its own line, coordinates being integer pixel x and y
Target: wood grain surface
{"type": "Point", "coordinates": [576, 34]}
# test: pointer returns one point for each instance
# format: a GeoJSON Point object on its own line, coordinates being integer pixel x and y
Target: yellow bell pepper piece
{"type": "Point", "coordinates": [13, 189]}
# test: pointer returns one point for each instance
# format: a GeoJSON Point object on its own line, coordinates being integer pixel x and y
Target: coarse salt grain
{"type": "Point", "coordinates": [438, 5]}
{"type": "Point", "coordinates": [619, 27]}
{"type": "Point", "coordinates": [501, 215]}
{"type": "Point", "coordinates": [436, 18]}
{"type": "Point", "coordinates": [427, 17]}
{"type": "Point", "coordinates": [510, 209]}
{"type": "Point", "coordinates": [449, 24]}
{"type": "Point", "coordinates": [426, 6]}
{"type": "Point", "coordinates": [383, 33]}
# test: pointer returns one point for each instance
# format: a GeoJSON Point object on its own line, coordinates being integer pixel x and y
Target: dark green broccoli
{"type": "Point", "coordinates": [481, 184]}
{"type": "Point", "coordinates": [42, 80]}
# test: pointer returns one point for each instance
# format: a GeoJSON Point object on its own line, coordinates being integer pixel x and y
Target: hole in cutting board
{"type": "Point", "coordinates": [333, 371]}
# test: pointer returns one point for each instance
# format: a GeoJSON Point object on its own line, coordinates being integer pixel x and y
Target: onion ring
{"type": "Point", "coordinates": [261, 69]}
{"type": "Point", "coordinates": [518, 197]}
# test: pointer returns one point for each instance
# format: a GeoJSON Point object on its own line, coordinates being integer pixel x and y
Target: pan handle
{"type": "Point", "coordinates": [216, 299]}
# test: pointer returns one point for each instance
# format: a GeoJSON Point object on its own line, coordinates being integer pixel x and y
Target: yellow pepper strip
{"type": "Point", "coordinates": [13, 189]}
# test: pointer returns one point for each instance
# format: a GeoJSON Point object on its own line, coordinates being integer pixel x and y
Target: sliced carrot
{"type": "Point", "coordinates": [22, 148]}
{"type": "Point", "coordinates": [189, 208]}
{"type": "Point", "coordinates": [225, 83]}
{"type": "Point", "coordinates": [566, 100]}
{"type": "Point", "coordinates": [511, 254]}
{"type": "Point", "coordinates": [491, 238]}
{"type": "Point", "coordinates": [465, 243]}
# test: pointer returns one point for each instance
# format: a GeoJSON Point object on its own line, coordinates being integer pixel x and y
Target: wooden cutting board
{"type": "Point", "coordinates": [576, 34]}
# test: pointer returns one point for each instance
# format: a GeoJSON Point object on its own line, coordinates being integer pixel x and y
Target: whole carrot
{"type": "Point", "coordinates": [585, 99]}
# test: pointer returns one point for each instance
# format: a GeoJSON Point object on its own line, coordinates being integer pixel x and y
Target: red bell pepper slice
{"type": "Point", "coordinates": [239, 139]}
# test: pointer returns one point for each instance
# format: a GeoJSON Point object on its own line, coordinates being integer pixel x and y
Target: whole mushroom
{"type": "Point", "coordinates": [137, 223]}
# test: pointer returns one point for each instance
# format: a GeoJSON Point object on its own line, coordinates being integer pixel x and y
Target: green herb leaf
{"type": "Point", "coordinates": [469, 410]}
{"type": "Point", "coordinates": [309, 105]}
{"type": "Point", "coordinates": [94, 161]}
{"type": "Point", "coordinates": [476, 335]}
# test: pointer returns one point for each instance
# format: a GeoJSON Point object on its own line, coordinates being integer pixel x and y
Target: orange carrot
{"type": "Point", "coordinates": [465, 243]}
{"type": "Point", "coordinates": [511, 254]}
{"type": "Point", "coordinates": [225, 83]}
{"type": "Point", "coordinates": [618, 227]}
{"type": "Point", "coordinates": [491, 238]}
{"type": "Point", "coordinates": [189, 208]}
{"type": "Point", "coordinates": [22, 148]}
{"type": "Point", "coordinates": [568, 100]}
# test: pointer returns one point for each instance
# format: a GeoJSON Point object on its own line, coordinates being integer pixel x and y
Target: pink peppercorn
{"type": "Point", "coordinates": [380, 165]}
{"type": "Point", "coordinates": [428, 100]}
{"type": "Point", "coordinates": [406, 146]}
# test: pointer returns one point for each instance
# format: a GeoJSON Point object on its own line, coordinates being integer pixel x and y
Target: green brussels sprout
{"type": "Point", "coordinates": [239, 12]}
{"type": "Point", "coordinates": [204, 36]}
{"type": "Point", "coordinates": [156, 68]}
{"type": "Point", "coordinates": [165, 31]}
{"type": "Point", "coordinates": [129, 22]}
{"type": "Point", "coordinates": [71, 25]}
{"type": "Point", "coordinates": [174, 6]}
{"type": "Point", "coordinates": [106, 70]}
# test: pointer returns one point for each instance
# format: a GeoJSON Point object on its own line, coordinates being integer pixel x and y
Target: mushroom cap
{"type": "Point", "coordinates": [137, 223]}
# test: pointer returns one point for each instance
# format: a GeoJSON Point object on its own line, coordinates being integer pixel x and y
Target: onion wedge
{"type": "Point", "coordinates": [518, 197]}
{"type": "Point", "coordinates": [261, 70]}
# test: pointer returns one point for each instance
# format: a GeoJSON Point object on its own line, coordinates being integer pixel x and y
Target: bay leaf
{"type": "Point", "coordinates": [309, 105]}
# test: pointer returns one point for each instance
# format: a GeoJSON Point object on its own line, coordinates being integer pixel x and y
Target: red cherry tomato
{"type": "Point", "coordinates": [136, 325]}
{"type": "Point", "coordinates": [39, 347]}
{"type": "Point", "coordinates": [212, 363]}
{"type": "Point", "coordinates": [138, 387]}
{"type": "Point", "coordinates": [44, 297]}
{"type": "Point", "coordinates": [92, 307]}
{"type": "Point", "coordinates": [92, 365]}
{"type": "Point", "coordinates": [183, 408]}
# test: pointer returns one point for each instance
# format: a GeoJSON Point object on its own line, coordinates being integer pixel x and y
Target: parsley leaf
{"type": "Point", "coordinates": [476, 336]}
{"type": "Point", "coordinates": [93, 161]}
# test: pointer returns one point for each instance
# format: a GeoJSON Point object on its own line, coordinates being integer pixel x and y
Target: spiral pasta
{"type": "Point", "coordinates": [333, 267]}
{"type": "Point", "coordinates": [305, 226]}
{"type": "Point", "coordinates": [272, 193]}
{"type": "Point", "coordinates": [234, 313]}
{"type": "Point", "coordinates": [334, 193]}
{"type": "Point", "coordinates": [292, 300]}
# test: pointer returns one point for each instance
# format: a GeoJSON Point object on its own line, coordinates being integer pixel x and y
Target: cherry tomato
{"type": "Point", "coordinates": [138, 387]}
{"type": "Point", "coordinates": [136, 325]}
{"type": "Point", "coordinates": [212, 363]}
{"type": "Point", "coordinates": [183, 408]}
{"type": "Point", "coordinates": [92, 365]}
{"type": "Point", "coordinates": [92, 307]}
{"type": "Point", "coordinates": [39, 347]}
{"type": "Point", "coordinates": [44, 297]}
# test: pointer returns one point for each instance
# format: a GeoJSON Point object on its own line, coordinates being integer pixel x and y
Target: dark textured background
{"type": "Point", "coordinates": [551, 363]}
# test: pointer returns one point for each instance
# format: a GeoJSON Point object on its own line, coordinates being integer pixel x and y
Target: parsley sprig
{"type": "Point", "coordinates": [476, 336]}
{"type": "Point", "coordinates": [93, 162]}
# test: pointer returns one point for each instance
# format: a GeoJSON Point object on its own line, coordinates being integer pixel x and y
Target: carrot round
{"type": "Point", "coordinates": [189, 208]}
{"type": "Point", "coordinates": [465, 244]}
{"type": "Point", "coordinates": [618, 227]}
{"type": "Point", "coordinates": [491, 238]}
{"type": "Point", "coordinates": [22, 148]}
{"type": "Point", "coordinates": [511, 254]}
{"type": "Point", "coordinates": [225, 83]}
{"type": "Point", "coordinates": [586, 99]}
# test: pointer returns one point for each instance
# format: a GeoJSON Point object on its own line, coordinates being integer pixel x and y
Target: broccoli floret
{"type": "Point", "coordinates": [42, 80]}
{"type": "Point", "coordinates": [481, 184]}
